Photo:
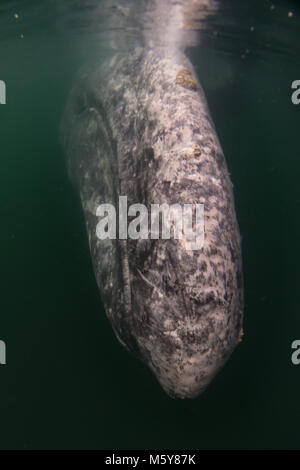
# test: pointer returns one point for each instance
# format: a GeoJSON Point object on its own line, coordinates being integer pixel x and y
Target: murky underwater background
{"type": "Point", "coordinates": [68, 383]}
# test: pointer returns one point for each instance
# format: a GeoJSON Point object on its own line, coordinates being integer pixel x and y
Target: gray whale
{"type": "Point", "coordinates": [137, 124]}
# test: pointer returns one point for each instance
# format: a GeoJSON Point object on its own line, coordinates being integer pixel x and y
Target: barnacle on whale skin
{"type": "Point", "coordinates": [186, 79]}
{"type": "Point", "coordinates": [196, 153]}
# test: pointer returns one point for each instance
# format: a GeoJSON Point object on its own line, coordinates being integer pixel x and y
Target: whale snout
{"type": "Point", "coordinates": [185, 322]}
{"type": "Point", "coordinates": [185, 351]}
{"type": "Point", "coordinates": [187, 372]}
{"type": "Point", "coordinates": [188, 381]}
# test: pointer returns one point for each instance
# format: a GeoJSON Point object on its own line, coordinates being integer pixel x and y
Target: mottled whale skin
{"type": "Point", "coordinates": [138, 125]}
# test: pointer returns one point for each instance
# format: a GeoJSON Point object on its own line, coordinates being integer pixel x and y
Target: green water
{"type": "Point", "coordinates": [68, 383]}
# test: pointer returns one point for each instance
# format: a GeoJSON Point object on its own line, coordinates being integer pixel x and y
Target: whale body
{"type": "Point", "coordinates": [137, 125]}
